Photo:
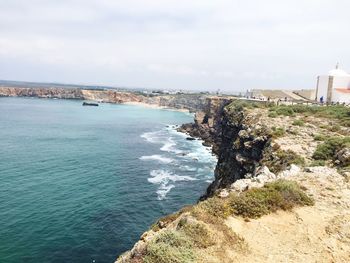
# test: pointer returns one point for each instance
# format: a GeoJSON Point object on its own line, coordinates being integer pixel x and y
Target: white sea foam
{"type": "Point", "coordinates": [152, 137]}
{"type": "Point", "coordinates": [158, 158]}
{"type": "Point", "coordinates": [162, 137]}
{"type": "Point", "coordinates": [168, 145]}
{"type": "Point", "coordinates": [163, 178]}
{"type": "Point", "coordinates": [163, 190]}
{"type": "Point", "coordinates": [187, 168]}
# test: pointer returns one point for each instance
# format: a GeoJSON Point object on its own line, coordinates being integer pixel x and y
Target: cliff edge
{"type": "Point", "coordinates": [281, 191]}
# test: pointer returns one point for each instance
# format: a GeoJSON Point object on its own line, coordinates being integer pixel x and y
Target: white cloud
{"type": "Point", "coordinates": [227, 44]}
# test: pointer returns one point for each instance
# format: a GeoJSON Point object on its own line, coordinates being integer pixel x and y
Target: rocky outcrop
{"type": "Point", "coordinates": [237, 137]}
{"type": "Point", "coordinates": [343, 157]}
{"type": "Point", "coordinates": [207, 123]}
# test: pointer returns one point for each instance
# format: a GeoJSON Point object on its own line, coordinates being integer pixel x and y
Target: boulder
{"type": "Point", "coordinates": [343, 156]}
{"type": "Point", "coordinates": [240, 185]}
{"type": "Point", "coordinates": [292, 171]}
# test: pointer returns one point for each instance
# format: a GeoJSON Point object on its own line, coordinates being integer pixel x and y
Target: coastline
{"type": "Point", "coordinates": [154, 106]}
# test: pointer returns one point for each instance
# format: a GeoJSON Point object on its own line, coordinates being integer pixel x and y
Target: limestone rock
{"type": "Point", "coordinates": [344, 157]}
{"type": "Point", "coordinates": [292, 171]}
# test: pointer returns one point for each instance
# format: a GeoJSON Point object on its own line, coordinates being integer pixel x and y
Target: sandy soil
{"type": "Point", "coordinates": [319, 233]}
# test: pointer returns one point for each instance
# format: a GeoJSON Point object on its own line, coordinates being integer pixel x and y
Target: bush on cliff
{"type": "Point", "coordinates": [197, 232]}
{"type": "Point", "coordinates": [281, 194]}
{"type": "Point", "coordinates": [328, 149]}
{"type": "Point", "coordinates": [170, 246]}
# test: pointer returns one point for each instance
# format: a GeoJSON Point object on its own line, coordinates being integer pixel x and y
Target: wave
{"type": "Point", "coordinates": [157, 157]}
{"type": "Point", "coordinates": [163, 178]}
{"type": "Point", "coordinates": [163, 190]}
{"type": "Point", "coordinates": [162, 137]}
{"type": "Point", "coordinates": [153, 137]}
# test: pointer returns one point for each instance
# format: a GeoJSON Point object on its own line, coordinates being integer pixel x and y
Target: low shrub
{"type": "Point", "coordinates": [328, 149]}
{"type": "Point", "coordinates": [197, 232]}
{"type": "Point", "coordinates": [320, 137]}
{"type": "Point", "coordinates": [298, 123]}
{"type": "Point", "coordinates": [273, 114]}
{"type": "Point", "coordinates": [284, 110]}
{"type": "Point", "coordinates": [318, 163]}
{"type": "Point", "coordinates": [281, 194]}
{"type": "Point", "coordinates": [212, 211]}
{"type": "Point", "coordinates": [334, 128]}
{"type": "Point", "coordinates": [278, 132]}
{"type": "Point", "coordinates": [170, 246]}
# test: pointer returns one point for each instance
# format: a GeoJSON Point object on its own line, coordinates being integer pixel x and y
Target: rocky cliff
{"type": "Point", "coordinates": [191, 102]}
{"type": "Point", "coordinates": [271, 201]}
{"type": "Point", "coordinates": [237, 137]}
{"type": "Point", "coordinates": [59, 93]}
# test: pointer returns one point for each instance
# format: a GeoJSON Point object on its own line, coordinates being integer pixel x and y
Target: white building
{"type": "Point", "coordinates": [334, 87]}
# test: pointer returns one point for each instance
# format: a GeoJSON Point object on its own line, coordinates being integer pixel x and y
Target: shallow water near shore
{"type": "Point", "coordinates": [81, 184]}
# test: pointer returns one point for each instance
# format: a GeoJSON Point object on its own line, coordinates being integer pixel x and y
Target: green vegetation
{"type": "Point", "coordinates": [338, 112]}
{"type": "Point", "coordinates": [334, 112]}
{"type": "Point", "coordinates": [298, 123]}
{"type": "Point", "coordinates": [318, 163]}
{"type": "Point", "coordinates": [281, 160]}
{"type": "Point", "coordinates": [197, 232]}
{"type": "Point", "coordinates": [241, 104]}
{"type": "Point", "coordinates": [328, 149]}
{"type": "Point", "coordinates": [334, 128]}
{"type": "Point", "coordinates": [320, 137]}
{"type": "Point", "coordinates": [282, 110]}
{"type": "Point", "coordinates": [170, 246]}
{"type": "Point", "coordinates": [211, 210]}
{"type": "Point", "coordinates": [273, 114]}
{"type": "Point", "coordinates": [278, 132]}
{"type": "Point", "coordinates": [281, 194]}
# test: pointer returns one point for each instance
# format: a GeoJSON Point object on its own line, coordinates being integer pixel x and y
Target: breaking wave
{"type": "Point", "coordinates": [178, 159]}
{"type": "Point", "coordinates": [163, 178]}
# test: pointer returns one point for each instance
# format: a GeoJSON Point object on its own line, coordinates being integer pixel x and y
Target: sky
{"type": "Point", "coordinates": [174, 44]}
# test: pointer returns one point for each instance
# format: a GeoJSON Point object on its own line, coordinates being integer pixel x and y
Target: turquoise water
{"type": "Point", "coordinates": [80, 184]}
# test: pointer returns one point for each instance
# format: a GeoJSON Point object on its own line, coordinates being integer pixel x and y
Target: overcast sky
{"type": "Point", "coordinates": [179, 44]}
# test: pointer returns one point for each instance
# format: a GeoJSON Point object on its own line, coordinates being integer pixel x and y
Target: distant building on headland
{"type": "Point", "coordinates": [333, 87]}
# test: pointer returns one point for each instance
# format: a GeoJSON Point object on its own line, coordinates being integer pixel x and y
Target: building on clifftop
{"type": "Point", "coordinates": [333, 87]}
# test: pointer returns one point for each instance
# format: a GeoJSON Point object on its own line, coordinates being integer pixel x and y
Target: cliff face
{"type": "Point", "coordinates": [191, 102]}
{"type": "Point", "coordinates": [241, 218]}
{"type": "Point", "coordinates": [59, 93]}
{"type": "Point", "coordinates": [237, 138]}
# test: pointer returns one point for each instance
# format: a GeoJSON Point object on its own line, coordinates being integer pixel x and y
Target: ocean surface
{"type": "Point", "coordinates": [81, 184]}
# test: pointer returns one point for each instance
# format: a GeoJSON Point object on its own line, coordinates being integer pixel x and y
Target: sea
{"type": "Point", "coordinates": [81, 184]}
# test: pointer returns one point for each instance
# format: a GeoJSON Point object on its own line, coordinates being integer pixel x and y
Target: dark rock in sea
{"type": "Point", "coordinates": [190, 139]}
{"type": "Point", "coordinates": [89, 104]}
